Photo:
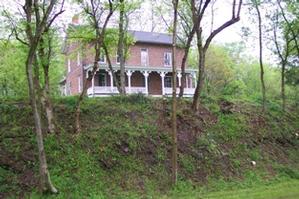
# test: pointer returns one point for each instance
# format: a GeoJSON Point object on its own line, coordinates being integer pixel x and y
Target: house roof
{"type": "Point", "coordinates": [152, 37]}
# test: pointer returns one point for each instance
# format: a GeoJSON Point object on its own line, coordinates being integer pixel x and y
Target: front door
{"type": "Point", "coordinates": [154, 84]}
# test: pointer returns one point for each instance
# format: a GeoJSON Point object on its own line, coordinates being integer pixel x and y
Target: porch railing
{"type": "Point", "coordinates": [107, 90]}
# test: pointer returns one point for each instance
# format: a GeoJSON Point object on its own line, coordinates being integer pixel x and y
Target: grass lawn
{"type": "Point", "coordinates": [281, 190]}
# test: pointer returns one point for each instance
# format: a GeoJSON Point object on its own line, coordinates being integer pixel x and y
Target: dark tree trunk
{"type": "Point", "coordinates": [121, 47]}
{"type": "Point", "coordinates": [115, 78]}
{"type": "Point", "coordinates": [45, 181]}
{"type": "Point", "coordinates": [184, 61]}
{"type": "Point", "coordinates": [174, 102]}
{"type": "Point", "coordinates": [45, 95]}
{"type": "Point", "coordinates": [283, 96]}
{"type": "Point", "coordinates": [261, 54]}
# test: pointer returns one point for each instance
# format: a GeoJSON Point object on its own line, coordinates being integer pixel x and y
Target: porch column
{"type": "Point", "coordinates": [194, 77]}
{"type": "Point", "coordinates": [187, 80]}
{"type": "Point", "coordinates": [129, 74]}
{"type": "Point", "coordinates": [162, 74]}
{"type": "Point", "coordinates": [92, 85]}
{"type": "Point", "coordinates": [145, 73]}
{"type": "Point", "coordinates": [180, 78]}
{"type": "Point", "coordinates": [111, 80]}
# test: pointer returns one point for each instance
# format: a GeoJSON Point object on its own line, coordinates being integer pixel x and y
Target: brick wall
{"type": "Point", "coordinates": [155, 59]}
{"type": "Point", "coordinates": [155, 55]}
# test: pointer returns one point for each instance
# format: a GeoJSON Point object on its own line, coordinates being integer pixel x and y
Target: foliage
{"type": "Point", "coordinates": [13, 79]}
{"type": "Point", "coordinates": [12, 73]}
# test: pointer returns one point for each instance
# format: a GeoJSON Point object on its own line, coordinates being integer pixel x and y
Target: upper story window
{"type": "Point", "coordinates": [144, 57]}
{"type": "Point", "coordinates": [68, 65]}
{"type": "Point", "coordinates": [102, 59]}
{"type": "Point", "coordinates": [167, 59]}
{"type": "Point", "coordinates": [117, 58]}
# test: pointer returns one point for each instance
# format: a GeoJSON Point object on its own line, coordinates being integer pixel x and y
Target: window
{"type": "Point", "coordinates": [78, 59]}
{"type": "Point", "coordinates": [102, 79]}
{"type": "Point", "coordinates": [102, 59]}
{"type": "Point", "coordinates": [117, 58]}
{"type": "Point", "coordinates": [167, 59]}
{"type": "Point", "coordinates": [79, 84]}
{"type": "Point", "coordinates": [167, 81]}
{"type": "Point", "coordinates": [68, 65]}
{"type": "Point", "coordinates": [144, 57]}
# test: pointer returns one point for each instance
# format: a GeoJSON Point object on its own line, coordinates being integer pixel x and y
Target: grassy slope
{"type": "Point", "coordinates": [124, 150]}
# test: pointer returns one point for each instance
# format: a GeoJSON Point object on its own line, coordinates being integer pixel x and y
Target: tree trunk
{"type": "Point", "coordinates": [184, 61]}
{"type": "Point", "coordinates": [121, 48]}
{"type": "Point", "coordinates": [47, 104]}
{"type": "Point", "coordinates": [45, 181]}
{"type": "Point", "coordinates": [201, 67]}
{"type": "Point", "coordinates": [81, 97]}
{"type": "Point", "coordinates": [261, 55]}
{"type": "Point", "coordinates": [174, 102]}
{"type": "Point", "coordinates": [45, 95]}
{"type": "Point", "coordinates": [283, 97]}
{"type": "Point", "coordinates": [115, 79]}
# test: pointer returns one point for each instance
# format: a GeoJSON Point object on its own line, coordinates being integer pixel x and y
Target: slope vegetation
{"type": "Point", "coordinates": [124, 148]}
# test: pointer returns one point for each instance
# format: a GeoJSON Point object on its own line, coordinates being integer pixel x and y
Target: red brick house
{"type": "Point", "coordinates": [148, 69]}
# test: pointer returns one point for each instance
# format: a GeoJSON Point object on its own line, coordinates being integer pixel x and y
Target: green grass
{"type": "Point", "coordinates": [283, 190]}
{"type": "Point", "coordinates": [278, 189]}
{"type": "Point", "coordinates": [122, 153]}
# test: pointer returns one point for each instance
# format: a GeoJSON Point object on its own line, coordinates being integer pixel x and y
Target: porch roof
{"type": "Point", "coordinates": [141, 68]}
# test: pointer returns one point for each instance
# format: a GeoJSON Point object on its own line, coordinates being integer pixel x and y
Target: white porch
{"type": "Point", "coordinates": [148, 81]}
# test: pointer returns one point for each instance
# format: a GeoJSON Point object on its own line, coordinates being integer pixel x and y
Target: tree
{"type": "Point", "coordinates": [45, 55]}
{"type": "Point", "coordinates": [38, 18]}
{"type": "Point", "coordinates": [198, 9]}
{"type": "Point", "coordinates": [256, 5]}
{"type": "Point", "coordinates": [174, 103]}
{"type": "Point", "coordinates": [188, 31]}
{"type": "Point", "coordinates": [120, 50]}
{"type": "Point", "coordinates": [219, 72]}
{"type": "Point", "coordinates": [185, 31]}
{"type": "Point", "coordinates": [285, 37]}
{"type": "Point", "coordinates": [125, 9]}
{"type": "Point", "coordinates": [94, 11]}
{"type": "Point", "coordinates": [283, 52]}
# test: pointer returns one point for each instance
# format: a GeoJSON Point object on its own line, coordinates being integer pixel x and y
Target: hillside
{"type": "Point", "coordinates": [124, 149]}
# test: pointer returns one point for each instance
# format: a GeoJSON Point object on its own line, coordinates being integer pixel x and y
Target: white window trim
{"type": "Point", "coordinates": [170, 59]}
{"type": "Point", "coordinates": [147, 58]}
{"type": "Point", "coordinates": [68, 65]}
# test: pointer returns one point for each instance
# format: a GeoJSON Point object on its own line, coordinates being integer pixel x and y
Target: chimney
{"type": "Point", "coordinates": [75, 19]}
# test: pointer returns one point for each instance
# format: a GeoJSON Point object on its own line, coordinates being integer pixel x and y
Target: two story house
{"type": "Point", "coordinates": [148, 69]}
